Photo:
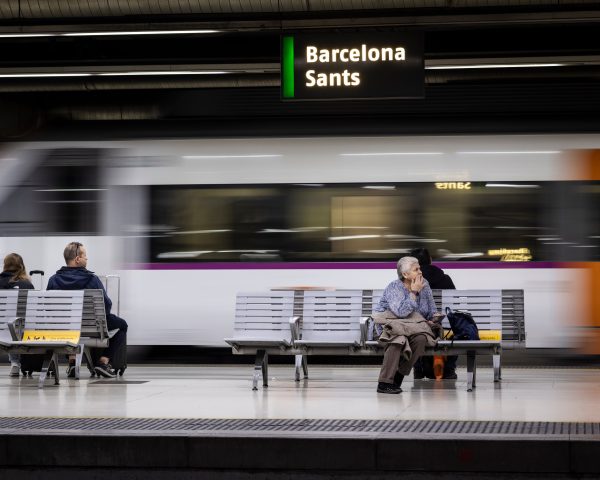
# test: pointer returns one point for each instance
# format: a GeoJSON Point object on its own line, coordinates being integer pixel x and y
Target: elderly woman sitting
{"type": "Point", "coordinates": [409, 318]}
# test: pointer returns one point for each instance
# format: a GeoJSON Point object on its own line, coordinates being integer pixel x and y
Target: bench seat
{"type": "Point", "coordinates": [265, 323]}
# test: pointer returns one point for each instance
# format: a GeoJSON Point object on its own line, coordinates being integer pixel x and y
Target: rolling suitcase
{"type": "Point", "coordinates": [33, 274]}
{"type": "Point", "coordinates": [112, 285]}
{"type": "Point", "coordinates": [34, 363]}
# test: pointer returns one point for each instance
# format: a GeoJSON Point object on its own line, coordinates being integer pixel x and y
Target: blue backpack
{"type": "Point", "coordinates": [462, 324]}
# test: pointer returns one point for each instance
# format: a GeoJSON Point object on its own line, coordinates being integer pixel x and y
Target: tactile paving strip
{"type": "Point", "coordinates": [492, 429]}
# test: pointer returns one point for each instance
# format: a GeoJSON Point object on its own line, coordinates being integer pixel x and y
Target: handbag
{"type": "Point", "coordinates": [462, 324]}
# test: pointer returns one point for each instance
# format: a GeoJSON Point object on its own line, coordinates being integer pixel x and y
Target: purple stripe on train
{"type": "Point", "coordinates": [332, 265]}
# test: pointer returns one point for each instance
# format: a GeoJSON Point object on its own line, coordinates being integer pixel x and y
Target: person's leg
{"type": "Point", "coordinates": [15, 364]}
{"type": "Point", "coordinates": [389, 370]}
{"type": "Point", "coordinates": [389, 367]}
{"type": "Point", "coordinates": [417, 345]}
{"type": "Point", "coordinates": [418, 369]}
{"type": "Point", "coordinates": [113, 322]}
{"type": "Point", "coordinates": [450, 367]}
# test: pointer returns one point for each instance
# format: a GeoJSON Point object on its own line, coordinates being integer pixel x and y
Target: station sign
{"type": "Point", "coordinates": [352, 66]}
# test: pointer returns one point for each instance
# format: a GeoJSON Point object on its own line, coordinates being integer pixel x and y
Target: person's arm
{"type": "Point", "coordinates": [400, 303]}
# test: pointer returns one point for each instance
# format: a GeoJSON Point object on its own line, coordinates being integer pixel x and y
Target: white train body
{"type": "Point", "coordinates": [193, 302]}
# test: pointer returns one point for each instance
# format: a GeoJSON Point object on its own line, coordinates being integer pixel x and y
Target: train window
{"type": "Point", "coordinates": [315, 222]}
{"type": "Point", "coordinates": [61, 196]}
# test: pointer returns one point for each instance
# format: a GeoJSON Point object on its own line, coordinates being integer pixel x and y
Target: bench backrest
{"type": "Point", "coordinates": [264, 314]}
{"type": "Point", "coordinates": [332, 315]}
{"type": "Point", "coordinates": [491, 309]}
{"type": "Point", "coordinates": [93, 322]}
{"type": "Point", "coordinates": [485, 306]}
{"type": "Point", "coordinates": [53, 315]}
{"type": "Point", "coordinates": [8, 311]}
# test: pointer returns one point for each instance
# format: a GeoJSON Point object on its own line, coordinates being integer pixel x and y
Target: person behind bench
{"type": "Point", "coordinates": [75, 276]}
{"type": "Point", "coordinates": [441, 281]}
{"type": "Point", "coordinates": [407, 312]}
{"type": "Point", "coordinates": [14, 275]}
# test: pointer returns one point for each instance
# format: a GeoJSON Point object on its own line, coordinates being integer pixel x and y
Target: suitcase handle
{"type": "Point", "coordinates": [36, 272]}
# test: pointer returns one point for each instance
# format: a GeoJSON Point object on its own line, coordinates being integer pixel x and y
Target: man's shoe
{"type": "Point", "coordinates": [15, 370]}
{"type": "Point", "coordinates": [418, 374]}
{"type": "Point", "coordinates": [450, 376]}
{"type": "Point", "coordinates": [387, 388]}
{"type": "Point", "coordinates": [71, 370]}
{"type": "Point", "coordinates": [105, 370]}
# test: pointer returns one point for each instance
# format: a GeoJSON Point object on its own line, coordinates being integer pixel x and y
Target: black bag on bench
{"type": "Point", "coordinates": [462, 324]}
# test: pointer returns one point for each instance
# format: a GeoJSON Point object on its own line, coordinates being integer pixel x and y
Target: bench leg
{"type": "Point", "coordinates": [496, 360]}
{"type": "Point", "coordinates": [470, 371]}
{"type": "Point", "coordinates": [260, 368]}
{"type": "Point", "coordinates": [301, 363]}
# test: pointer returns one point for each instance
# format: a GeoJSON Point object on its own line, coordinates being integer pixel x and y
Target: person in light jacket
{"type": "Point", "coordinates": [409, 317]}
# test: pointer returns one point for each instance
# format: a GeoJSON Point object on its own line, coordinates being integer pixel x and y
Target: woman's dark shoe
{"type": "Point", "coordinates": [398, 379]}
{"type": "Point", "coordinates": [387, 388]}
{"type": "Point", "coordinates": [450, 375]}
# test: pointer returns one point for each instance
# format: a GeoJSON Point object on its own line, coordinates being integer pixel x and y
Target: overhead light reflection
{"type": "Point", "coordinates": [387, 154]}
{"type": "Point", "coordinates": [192, 254]}
{"type": "Point", "coordinates": [108, 33]}
{"type": "Point", "coordinates": [497, 65]}
{"type": "Point", "coordinates": [162, 72]}
{"type": "Point", "coordinates": [353, 237]}
{"type": "Point", "coordinates": [200, 157]}
{"type": "Point", "coordinates": [511, 152]}
{"type": "Point", "coordinates": [511, 185]}
{"type": "Point", "coordinates": [194, 232]}
{"type": "Point", "coordinates": [379, 187]}
{"type": "Point", "coordinates": [456, 256]}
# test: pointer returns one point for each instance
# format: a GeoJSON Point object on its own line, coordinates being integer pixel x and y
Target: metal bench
{"type": "Point", "coordinates": [497, 311]}
{"type": "Point", "coordinates": [338, 323]}
{"type": "Point", "coordinates": [50, 325]}
{"type": "Point", "coordinates": [265, 323]}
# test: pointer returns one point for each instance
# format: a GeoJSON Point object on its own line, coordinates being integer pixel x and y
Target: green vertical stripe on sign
{"type": "Point", "coordinates": [288, 67]}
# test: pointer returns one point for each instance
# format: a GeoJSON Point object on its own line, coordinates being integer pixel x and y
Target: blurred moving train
{"type": "Point", "coordinates": [189, 223]}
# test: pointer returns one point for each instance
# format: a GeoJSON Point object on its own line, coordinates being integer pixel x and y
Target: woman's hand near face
{"type": "Point", "coordinates": [417, 284]}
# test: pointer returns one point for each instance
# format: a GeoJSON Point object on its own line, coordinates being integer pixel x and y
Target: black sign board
{"type": "Point", "coordinates": [357, 65]}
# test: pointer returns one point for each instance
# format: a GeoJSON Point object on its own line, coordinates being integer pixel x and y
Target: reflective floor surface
{"type": "Point", "coordinates": [184, 391]}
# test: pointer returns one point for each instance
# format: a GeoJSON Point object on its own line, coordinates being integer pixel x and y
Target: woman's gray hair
{"type": "Point", "coordinates": [405, 264]}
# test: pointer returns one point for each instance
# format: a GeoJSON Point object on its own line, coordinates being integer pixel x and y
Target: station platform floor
{"type": "Point", "coordinates": [181, 421]}
{"type": "Point", "coordinates": [330, 392]}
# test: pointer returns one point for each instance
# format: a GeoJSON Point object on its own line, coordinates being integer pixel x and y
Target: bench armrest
{"type": "Point", "coordinates": [12, 328]}
{"type": "Point", "coordinates": [295, 328]}
{"type": "Point", "coordinates": [363, 330]}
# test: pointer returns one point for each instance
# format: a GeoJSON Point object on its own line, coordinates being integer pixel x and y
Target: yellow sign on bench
{"type": "Point", "coordinates": [483, 334]}
{"type": "Point", "coordinates": [51, 336]}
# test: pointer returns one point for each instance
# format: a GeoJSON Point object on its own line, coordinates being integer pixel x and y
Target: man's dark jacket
{"type": "Point", "coordinates": [78, 278]}
{"type": "Point", "coordinates": [437, 278]}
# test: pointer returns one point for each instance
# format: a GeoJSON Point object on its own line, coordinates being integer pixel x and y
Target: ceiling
{"type": "Point", "coordinates": [67, 68]}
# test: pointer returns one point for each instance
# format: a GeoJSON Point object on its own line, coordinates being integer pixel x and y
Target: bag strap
{"type": "Point", "coordinates": [448, 310]}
